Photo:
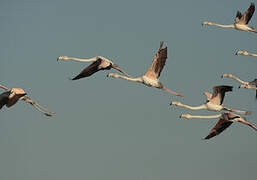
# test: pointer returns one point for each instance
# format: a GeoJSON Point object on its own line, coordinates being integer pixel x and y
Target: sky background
{"type": "Point", "coordinates": [113, 129]}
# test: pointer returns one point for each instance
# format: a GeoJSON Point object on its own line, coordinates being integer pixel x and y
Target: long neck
{"type": "Point", "coordinates": [221, 25]}
{"type": "Point", "coordinates": [3, 87]}
{"type": "Point", "coordinates": [80, 60]}
{"type": "Point", "coordinates": [193, 107]}
{"type": "Point", "coordinates": [203, 117]}
{"type": "Point", "coordinates": [137, 79]}
{"type": "Point", "coordinates": [235, 78]}
{"type": "Point", "coordinates": [252, 54]}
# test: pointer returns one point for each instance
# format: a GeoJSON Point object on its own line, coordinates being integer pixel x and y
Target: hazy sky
{"type": "Point", "coordinates": [112, 129]}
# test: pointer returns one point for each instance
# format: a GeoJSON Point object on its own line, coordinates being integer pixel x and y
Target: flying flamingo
{"type": "Point", "coordinates": [11, 96]}
{"type": "Point", "coordinates": [226, 119]}
{"type": "Point", "coordinates": [245, 53]}
{"type": "Point", "coordinates": [246, 85]}
{"type": "Point", "coordinates": [99, 63]}
{"type": "Point", "coordinates": [241, 21]}
{"type": "Point", "coordinates": [214, 101]}
{"type": "Point", "coordinates": [151, 76]}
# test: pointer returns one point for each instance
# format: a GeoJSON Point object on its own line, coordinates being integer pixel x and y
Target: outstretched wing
{"type": "Point", "coordinates": [4, 98]}
{"type": "Point", "coordinates": [238, 16]}
{"type": "Point", "coordinates": [89, 70]}
{"type": "Point", "coordinates": [247, 15]}
{"type": "Point", "coordinates": [219, 93]}
{"type": "Point", "coordinates": [158, 63]}
{"type": "Point", "coordinates": [208, 95]}
{"type": "Point", "coordinates": [218, 128]}
{"type": "Point", "coordinates": [14, 97]}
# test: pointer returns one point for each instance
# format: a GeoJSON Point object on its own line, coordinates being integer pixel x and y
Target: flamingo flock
{"type": "Point", "coordinates": [214, 101]}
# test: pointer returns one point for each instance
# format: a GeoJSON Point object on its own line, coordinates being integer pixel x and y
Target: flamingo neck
{"type": "Point", "coordinates": [221, 25]}
{"type": "Point", "coordinates": [80, 60]}
{"type": "Point", "coordinates": [137, 79]}
{"type": "Point", "coordinates": [204, 117]}
{"type": "Point", "coordinates": [252, 54]}
{"type": "Point", "coordinates": [193, 107]}
{"type": "Point", "coordinates": [235, 78]}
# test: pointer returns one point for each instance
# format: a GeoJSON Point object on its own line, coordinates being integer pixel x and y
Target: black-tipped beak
{"type": "Point", "coordinates": [239, 87]}
{"type": "Point", "coordinates": [57, 58]}
{"type": "Point", "coordinates": [171, 103]}
{"type": "Point", "coordinates": [236, 54]}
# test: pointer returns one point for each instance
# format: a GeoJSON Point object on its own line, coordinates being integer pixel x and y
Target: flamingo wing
{"type": "Point", "coordinates": [89, 70]}
{"type": "Point", "coordinates": [219, 93]}
{"type": "Point", "coordinates": [247, 15]}
{"type": "Point", "coordinates": [158, 63]}
{"type": "Point", "coordinates": [218, 128]}
{"type": "Point", "coordinates": [208, 95]}
{"type": "Point", "coordinates": [238, 16]}
{"type": "Point", "coordinates": [4, 98]}
{"type": "Point", "coordinates": [14, 99]}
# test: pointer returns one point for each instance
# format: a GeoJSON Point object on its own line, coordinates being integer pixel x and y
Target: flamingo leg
{"type": "Point", "coordinates": [37, 106]}
{"type": "Point", "coordinates": [3, 87]}
{"type": "Point", "coordinates": [249, 124]}
{"type": "Point", "coordinates": [172, 92]}
{"type": "Point", "coordinates": [253, 31]}
{"type": "Point", "coordinates": [237, 111]}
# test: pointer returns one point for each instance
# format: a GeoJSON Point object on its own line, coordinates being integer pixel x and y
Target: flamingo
{"type": "Point", "coordinates": [241, 21]}
{"type": "Point", "coordinates": [99, 63]}
{"type": "Point", "coordinates": [151, 76]}
{"type": "Point", "coordinates": [225, 120]}
{"type": "Point", "coordinates": [245, 53]}
{"type": "Point", "coordinates": [246, 85]}
{"type": "Point", "coordinates": [214, 101]}
{"type": "Point", "coordinates": [11, 96]}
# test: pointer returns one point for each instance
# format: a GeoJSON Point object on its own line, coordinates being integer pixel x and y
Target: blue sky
{"type": "Point", "coordinates": [113, 129]}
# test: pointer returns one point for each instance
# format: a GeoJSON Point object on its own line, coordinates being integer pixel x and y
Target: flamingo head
{"type": "Point", "coordinates": [206, 23]}
{"type": "Point", "coordinates": [62, 58]}
{"type": "Point", "coordinates": [187, 116]}
{"type": "Point", "coordinates": [114, 75]}
{"type": "Point", "coordinates": [242, 53]}
{"type": "Point", "coordinates": [226, 75]}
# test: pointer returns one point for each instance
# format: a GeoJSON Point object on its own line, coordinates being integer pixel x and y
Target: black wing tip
{"type": "Point", "coordinates": [72, 79]}
{"type": "Point", "coordinates": [238, 14]}
{"type": "Point", "coordinates": [227, 88]}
